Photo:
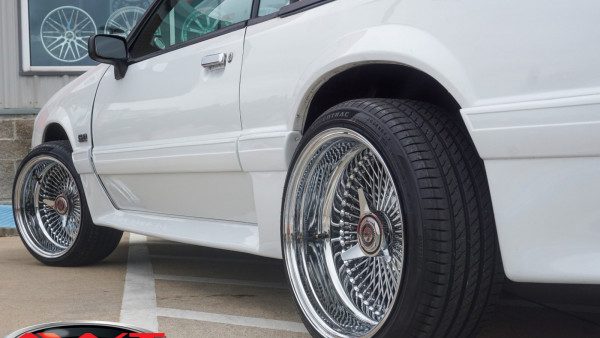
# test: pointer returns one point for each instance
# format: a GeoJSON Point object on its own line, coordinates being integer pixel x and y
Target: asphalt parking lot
{"type": "Point", "coordinates": [188, 291]}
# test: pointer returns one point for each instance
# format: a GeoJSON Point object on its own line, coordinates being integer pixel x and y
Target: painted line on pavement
{"type": "Point", "coordinates": [262, 323]}
{"type": "Point", "coordinates": [139, 296]}
{"type": "Point", "coordinates": [223, 281]}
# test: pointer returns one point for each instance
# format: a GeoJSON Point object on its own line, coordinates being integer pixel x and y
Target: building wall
{"type": "Point", "coordinates": [20, 97]}
{"type": "Point", "coordinates": [15, 141]}
{"type": "Point", "coordinates": [20, 94]}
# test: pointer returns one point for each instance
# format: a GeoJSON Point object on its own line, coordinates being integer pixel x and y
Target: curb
{"type": "Point", "coordinates": [8, 232]}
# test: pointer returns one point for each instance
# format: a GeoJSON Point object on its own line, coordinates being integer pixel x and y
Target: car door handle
{"type": "Point", "coordinates": [214, 61]}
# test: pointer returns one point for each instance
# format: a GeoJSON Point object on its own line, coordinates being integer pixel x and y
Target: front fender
{"type": "Point", "coordinates": [71, 108]}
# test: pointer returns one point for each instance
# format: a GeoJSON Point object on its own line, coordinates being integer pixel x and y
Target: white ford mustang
{"type": "Point", "coordinates": [402, 157]}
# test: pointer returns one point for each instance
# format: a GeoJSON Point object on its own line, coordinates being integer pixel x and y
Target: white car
{"type": "Point", "coordinates": [401, 157]}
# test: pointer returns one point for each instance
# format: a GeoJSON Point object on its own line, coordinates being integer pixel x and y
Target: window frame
{"type": "Point", "coordinates": [295, 6]}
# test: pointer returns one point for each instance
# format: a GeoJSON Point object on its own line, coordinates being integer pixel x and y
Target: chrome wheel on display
{"type": "Point", "coordinates": [343, 234]}
{"type": "Point", "coordinates": [65, 32]}
{"type": "Point", "coordinates": [47, 207]}
{"type": "Point", "coordinates": [123, 20]}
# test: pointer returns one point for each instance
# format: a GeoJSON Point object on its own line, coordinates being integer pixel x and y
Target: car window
{"type": "Point", "coordinates": [179, 21]}
{"type": "Point", "coordinates": [267, 7]}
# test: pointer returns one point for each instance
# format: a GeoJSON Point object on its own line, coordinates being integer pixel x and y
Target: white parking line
{"type": "Point", "coordinates": [262, 323]}
{"type": "Point", "coordinates": [223, 281]}
{"type": "Point", "coordinates": [139, 297]}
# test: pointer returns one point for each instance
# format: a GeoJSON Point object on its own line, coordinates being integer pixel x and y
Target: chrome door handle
{"type": "Point", "coordinates": [214, 61]}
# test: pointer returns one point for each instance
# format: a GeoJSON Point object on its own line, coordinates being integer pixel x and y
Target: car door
{"type": "Point", "coordinates": [164, 136]}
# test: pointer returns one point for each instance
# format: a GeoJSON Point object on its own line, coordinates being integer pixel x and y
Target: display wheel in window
{"type": "Point", "coordinates": [123, 20]}
{"type": "Point", "coordinates": [198, 24]}
{"type": "Point", "coordinates": [65, 32]}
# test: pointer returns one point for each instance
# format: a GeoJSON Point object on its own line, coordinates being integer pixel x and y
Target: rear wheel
{"type": "Point", "coordinates": [387, 225]}
{"type": "Point", "coordinates": [51, 211]}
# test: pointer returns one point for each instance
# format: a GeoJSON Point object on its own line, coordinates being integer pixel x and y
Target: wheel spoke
{"type": "Point", "coordinates": [48, 202]}
{"type": "Point", "coordinates": [362, 202]}
{"type": "Point", "coordinates": [353, 253]}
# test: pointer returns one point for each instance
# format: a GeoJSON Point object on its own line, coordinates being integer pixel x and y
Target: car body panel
{"type": "Point", "coordinates": [523, 73]}
{"type": "Point", "coordinates": [71, 108]}
{"type": "Point", "coordinates": [165, 136]}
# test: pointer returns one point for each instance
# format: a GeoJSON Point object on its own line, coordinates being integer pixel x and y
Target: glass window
{"type": "Point", "coordinates": [267, 7]}
{"type": "Point", "coordinates": [55, 33]}
{"type": "Point", "coordinates": [178, 21]}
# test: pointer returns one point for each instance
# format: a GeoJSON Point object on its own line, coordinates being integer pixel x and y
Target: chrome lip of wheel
{"type": "Point", "coordinates": [346, 282]}
{"type": "Point", "coordinates": [47, 206]}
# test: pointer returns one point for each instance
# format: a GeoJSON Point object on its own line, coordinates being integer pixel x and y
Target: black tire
{"type": "Point", "coordinates": [93, 243]}
{"type": "Point", "coordinates": [452, 267]}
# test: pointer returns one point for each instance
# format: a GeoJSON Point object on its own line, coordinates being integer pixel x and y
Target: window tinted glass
{"type": "Point", "coordinates": [178, 21]}
{"type": "Point", "coordinates": [267, 7]}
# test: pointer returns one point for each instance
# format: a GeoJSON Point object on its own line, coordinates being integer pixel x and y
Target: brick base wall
{"type": "Point", "coordinates": [15, 142]}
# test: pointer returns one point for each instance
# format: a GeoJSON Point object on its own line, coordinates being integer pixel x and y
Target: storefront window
{"type": "Point", "coordinates": [55, 33]}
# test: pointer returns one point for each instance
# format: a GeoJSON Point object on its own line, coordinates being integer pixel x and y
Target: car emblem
{"type": "Point", "coordinates": [79, 329]}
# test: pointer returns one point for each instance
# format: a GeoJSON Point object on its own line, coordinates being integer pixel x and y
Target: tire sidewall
{"type": "Point", "coordinates": [396, 159]}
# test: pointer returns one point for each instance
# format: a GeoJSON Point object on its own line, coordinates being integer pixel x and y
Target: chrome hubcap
{"type": "Point", "coordinates": [61, 205]}
{"type": "Point", "coordinates": [47, 206]}
{"type": "Point", "coordinates": [343, 235]}
{"type": "Point", "coordinates": [370, 235]}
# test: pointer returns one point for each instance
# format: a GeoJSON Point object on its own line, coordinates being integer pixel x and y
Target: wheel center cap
{"type": "Point", "coordinates": [69, 35]}
{"type": "Point", "coordinates": [370, 235]}
{"type": "Point", "coordinates": [61, 205]}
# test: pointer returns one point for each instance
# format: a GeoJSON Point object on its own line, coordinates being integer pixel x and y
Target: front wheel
{"type": "Point", "coordinates": [387, 224]}
{"type": "Point", "coordinates": [51, 211]}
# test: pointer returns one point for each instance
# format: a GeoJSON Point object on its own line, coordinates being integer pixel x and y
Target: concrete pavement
{"type": "Point", "coordinates": [189, 291]}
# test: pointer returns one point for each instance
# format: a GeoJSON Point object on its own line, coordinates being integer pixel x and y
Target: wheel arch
{"type": "Point", "coordinates": [54, 132]}
{"type": "Point", "coordinates": [374, 80]}
{"type": "Point", "coordinates": [410, 55]}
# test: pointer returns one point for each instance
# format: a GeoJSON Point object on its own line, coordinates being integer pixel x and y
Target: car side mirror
{"type": "Point", "coordinates": [110, 49]}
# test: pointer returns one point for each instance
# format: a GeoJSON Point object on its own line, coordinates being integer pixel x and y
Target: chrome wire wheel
{"type": "Point", "coordinates": [47, 206]}
{"type": "Point", "coordinates": [343, 234]}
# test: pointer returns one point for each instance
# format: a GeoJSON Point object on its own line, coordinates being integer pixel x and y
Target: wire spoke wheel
{"type": "Point", "coordinates": [47, 206]}
{"type": "Point", "coordinates": [123, 20]}
{"type": "Point", "coordinates": [65, 32]}
{"type": "Point", "coordinates": [343, 234]}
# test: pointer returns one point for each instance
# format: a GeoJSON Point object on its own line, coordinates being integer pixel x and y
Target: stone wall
{"type": "Point", "coordinates": [15, 142]}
